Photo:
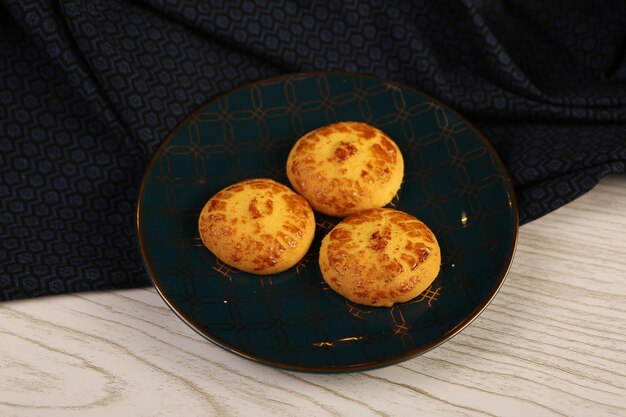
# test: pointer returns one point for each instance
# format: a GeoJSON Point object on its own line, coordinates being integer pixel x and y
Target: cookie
{"type": "Point", "coordinates": [258, 226]}
{"type": "Point", "coordinates": [380, 257]}
{"type": "Point", "coordinates": [346, 167]}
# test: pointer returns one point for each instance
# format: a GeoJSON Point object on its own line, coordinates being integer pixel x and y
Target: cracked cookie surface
{"type": "Point", "coordinates": [346, 167]}
{"type": "Point", "coordinates": [380, 257]}
{"type": "Point", "coordinates": [258, 226]}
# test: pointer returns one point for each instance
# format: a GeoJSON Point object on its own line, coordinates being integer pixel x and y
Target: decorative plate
{"type": "Point", "coordinates": [453, 181]}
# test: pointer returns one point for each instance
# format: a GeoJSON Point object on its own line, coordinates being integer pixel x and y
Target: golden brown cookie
{"type": "Point", "coordinates": [346, 167]}
{"type": "Point", "coordinates": [258, 226]}
{"type": "Point", "coordinates": [380, 257]}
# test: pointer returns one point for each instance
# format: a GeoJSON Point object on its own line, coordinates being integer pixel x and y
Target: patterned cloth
{"type": "Point", "coordinates": [88, 89]}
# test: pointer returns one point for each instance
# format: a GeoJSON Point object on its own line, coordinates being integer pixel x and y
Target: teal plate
{"type": "Point", "coordinates": [453, 181]}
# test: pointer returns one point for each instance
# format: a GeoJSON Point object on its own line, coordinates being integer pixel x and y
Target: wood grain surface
{"type": "Point", "coordinates": [552, 343]}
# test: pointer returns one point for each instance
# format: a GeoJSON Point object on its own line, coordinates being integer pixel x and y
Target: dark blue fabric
{"type": "Point", "coordinates": [88, 89]}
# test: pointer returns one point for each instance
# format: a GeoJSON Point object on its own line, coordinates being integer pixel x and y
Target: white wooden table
{"type": "Point", "coordinates": [553, 342]}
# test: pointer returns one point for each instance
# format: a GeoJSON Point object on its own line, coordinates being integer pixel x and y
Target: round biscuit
{"type": "Point", "coordinates": [346, 167]}
{"type": "Point", "coordinates": [380, 257]}
{"type": "Point", "coordinates": [258, 226]}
